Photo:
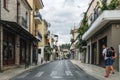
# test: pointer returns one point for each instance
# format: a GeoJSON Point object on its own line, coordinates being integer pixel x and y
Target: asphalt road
{"type": "Point", "coordinates": [57, 70]}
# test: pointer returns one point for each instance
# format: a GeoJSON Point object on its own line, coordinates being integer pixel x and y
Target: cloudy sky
{"type": "Point", "coordinates": [63, 15]}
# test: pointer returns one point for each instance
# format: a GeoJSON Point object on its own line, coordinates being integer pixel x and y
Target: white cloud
{"type": "Point", "coordinates": [62, 14]}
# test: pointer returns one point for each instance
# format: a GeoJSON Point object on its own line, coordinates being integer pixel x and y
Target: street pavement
{"type": "Point", "coordinates": [57, 70]}
{"type": "Point", "coordinates": [96, 71]}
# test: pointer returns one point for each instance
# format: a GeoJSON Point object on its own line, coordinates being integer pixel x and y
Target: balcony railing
{"type": "Point", "coordinates": [22, 21]}
{"type": "Point", "coordinates": [39, 36]}
{"type": "Point", "coordinates": [38, 15]}
{"type": "Point", "coordinates": [72, 40]}
{"type": "Point", "coordinates": [105, 17]}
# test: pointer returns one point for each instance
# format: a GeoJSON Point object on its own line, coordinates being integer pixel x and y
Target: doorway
{"type": "Point", "coordinates": [8, 48]}
{"type": "Point", "coordinates": [101, 58]}
{"type": "Point", "coordinates": [94, 53]}
{"type": "Point", "coordinates": [88, 54]}
{"type": "Point", "coordinates": [22, 51]}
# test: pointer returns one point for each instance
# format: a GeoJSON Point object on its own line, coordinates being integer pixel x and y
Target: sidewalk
{"type": "Point", "coordinates": [95, 71]}
{"type": "Point", "coordinates": [6, 75]}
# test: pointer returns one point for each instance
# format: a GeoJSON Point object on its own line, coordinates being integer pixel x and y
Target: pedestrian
{"type": "Point", "coordinates": [114, 56]}
{"type": "Point", "coordinates": [107, 60]}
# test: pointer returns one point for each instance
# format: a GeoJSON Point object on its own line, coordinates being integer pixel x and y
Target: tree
{"type": "Point", "coordinates": [65, 46]}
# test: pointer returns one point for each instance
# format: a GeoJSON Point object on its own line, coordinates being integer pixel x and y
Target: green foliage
{"type": "Point", "coordinates": [65, 46]}
{"type": "Point", "coordinates": [84, 21]}
{"type": "Point", "coordinates": [81, 31]}
{"type": "Point", "coordinates": [104, 5]}
{"type": "Point", "coordinates": [113, 4]}
{"type": "Point", "coordinates": [84, 27]}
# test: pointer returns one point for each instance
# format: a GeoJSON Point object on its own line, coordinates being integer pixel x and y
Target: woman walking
{"type": "Point", "coordinates": [114, 55]}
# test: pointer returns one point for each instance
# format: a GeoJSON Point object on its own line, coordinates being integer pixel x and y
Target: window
{"type": "Point", "coordinates": [5, 4]}
{"type": "Point", "coordinates": [26, 19]}
{"type": "Point", "coordinates": [96, 13]}
{"type": "Point", "coordinates": [92, 18]}
{"type": "Point", "coordinates": [39, 51]}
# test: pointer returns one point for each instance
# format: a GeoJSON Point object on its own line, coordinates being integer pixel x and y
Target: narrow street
{"type": "Point", "coordinates": [57, 70]}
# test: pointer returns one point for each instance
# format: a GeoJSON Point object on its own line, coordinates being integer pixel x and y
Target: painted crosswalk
{"type": "Point", "coordinates": [39, 74]}
{"type": "Point", "coordinates": [23, 75]}
{"type": "Point", "coordinates": [53, 74]}
{"type": "Point", "coordinates": [68, 73]}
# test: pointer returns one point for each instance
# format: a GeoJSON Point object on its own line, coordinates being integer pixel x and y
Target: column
{"type": "Point", "coordinates": [27, 51]}
{"type": "Point", "coordinates": [119, 58]}
{"type": "Point", "coordinates": [90, 53]}
{"type": "Point", "coordinates": [17, 50]}
{"type": "Point", "coordinates": [97, 62]}
{"type": "Point", "coordinates": [31, 54]}
{"type": "Point", "coordinates": [1, 48]}
{"type": "Point", "coordinates": [87, 54]}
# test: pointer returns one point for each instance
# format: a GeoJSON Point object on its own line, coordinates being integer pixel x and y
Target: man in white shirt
{"type": "Point", "coordinates": [107, 60]}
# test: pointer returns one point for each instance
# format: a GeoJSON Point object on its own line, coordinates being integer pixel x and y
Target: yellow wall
{"type": "Point", "coordinates": [33, 24]}
{"type": "Point", "coordinates": [42, 28]}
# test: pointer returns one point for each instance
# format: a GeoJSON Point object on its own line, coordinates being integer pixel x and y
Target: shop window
{"type": "Point", "coordinates": [8, 48]}
{"type": "Point", "coordinates": [5, 49]}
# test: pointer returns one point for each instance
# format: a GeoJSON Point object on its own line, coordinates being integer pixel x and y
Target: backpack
{"type": "Point", "coordinates": [109, 53]}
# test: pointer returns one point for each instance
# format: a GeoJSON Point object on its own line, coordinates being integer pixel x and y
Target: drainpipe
{"type": "Point", "coordinates": [0, 9]}
{"type": "Point", "coordinates": [17, 10]}
{"type": "Point", "coordinates": [0, 26]}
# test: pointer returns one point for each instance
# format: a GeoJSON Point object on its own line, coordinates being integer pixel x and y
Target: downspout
{"type": "Point", "coordinates": [17, 10]}
{"type": "Point", "coordinates": [0, 45]}
{"type": "Point", "coordinates": [0, 9]}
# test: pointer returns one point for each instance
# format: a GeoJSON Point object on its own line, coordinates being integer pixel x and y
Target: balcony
{"type": "Point", "coordinates": [37, 17]}
{"type": "Point", "coordinates": [47, 34]}
{"type": "Point", "coordinates": [23, 22]}
{"type": "Point", "coordinates": [105, 17]}
{"type": "Point", "coordinates": [39, 36]}
{"type": "Point", "coordinates": [72, 40]}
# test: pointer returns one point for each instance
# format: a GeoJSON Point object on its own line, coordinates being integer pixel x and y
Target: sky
{"type": "Point", "coordinates": [63, 15]}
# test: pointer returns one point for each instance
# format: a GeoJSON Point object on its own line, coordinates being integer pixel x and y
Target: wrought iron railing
{"type": "Point", "coordinates": [22, 21]}
{"type": "Point", "coordinates": [37, 14]}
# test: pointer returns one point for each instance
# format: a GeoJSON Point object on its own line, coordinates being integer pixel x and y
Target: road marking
{"type": "Point", "coordinates": [68, 73]}
{"type": "Point", "coordinates": [39, 74]}
{"type": "Point", "coordinates": [53, 73]}
{"type": "Point", "coordinates": [57, 77]}
{"type": "Point", "coordinates": [23, 75]}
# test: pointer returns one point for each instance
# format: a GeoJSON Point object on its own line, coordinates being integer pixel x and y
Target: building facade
{"type": "Point", "coordinates": [16, 42]}
{"type": "Point", "coordinates": [104, 28]}
{"type": "Point", "coordinates": [35, 21]}
{"type": "Point", "coordinates": [44, 45]}
{"type": "Point", "coordinates": [75, 53]}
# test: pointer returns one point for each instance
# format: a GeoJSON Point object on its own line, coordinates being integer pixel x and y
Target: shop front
{"type": "Point", "coordinates": [101, 58]}
{"type": "Point", "coordinates": [15, 45]}
{"type": "Point", "coordinates": [8, 48]}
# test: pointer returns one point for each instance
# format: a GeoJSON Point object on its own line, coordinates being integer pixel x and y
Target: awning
{"type": "Point", "coordinates": [13, 26]}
